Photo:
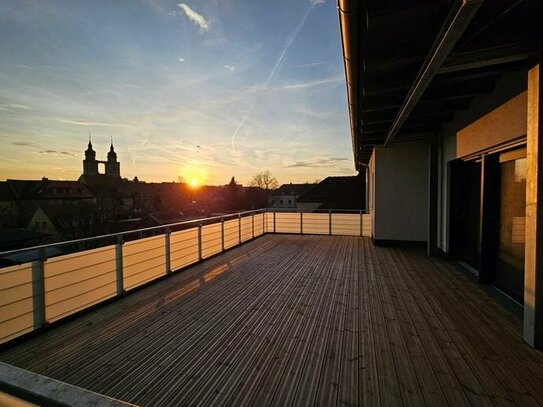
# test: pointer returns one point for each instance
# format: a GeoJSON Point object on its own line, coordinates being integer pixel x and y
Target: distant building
{"type": "Point", "coordinates": [66, 223]}
{"type": "Point", "coordinates": [335, 193]}
{"type": "Point", "coordinates": [91, 174]}
{"type": "Point", "coordinates": [44, 192]}
{"type": "Point", "coordinates": [287, 194]}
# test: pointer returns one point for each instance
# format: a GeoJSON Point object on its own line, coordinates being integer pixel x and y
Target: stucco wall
{"type": "Point", "coordinates": [400, 192]}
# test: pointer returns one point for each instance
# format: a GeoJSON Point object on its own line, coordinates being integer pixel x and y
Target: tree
{"type": "Point", "coordinates": [266, 181]}
{"type": "Point", "coordinates": [233, 198]}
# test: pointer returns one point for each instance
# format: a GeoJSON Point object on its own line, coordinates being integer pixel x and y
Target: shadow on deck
{"type": "Point", "coordinates": [298, 320]}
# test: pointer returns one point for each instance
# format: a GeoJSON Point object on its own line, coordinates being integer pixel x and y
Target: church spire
{"type": "Point", "coordinates": [111, 156]}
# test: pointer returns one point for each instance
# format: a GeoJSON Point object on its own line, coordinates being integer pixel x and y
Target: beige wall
{"type": "Point", "coordinates": [399, 191]}
{"type": "Point", "coordinates": [501, 125]}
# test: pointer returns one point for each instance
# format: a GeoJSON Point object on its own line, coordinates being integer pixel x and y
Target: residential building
{"type": "Point", "coordinates": [287, 194]}
{"type": "Point", "coordinates": [445, 119]}
{"type": "Point", "coordinates": [335, 193]}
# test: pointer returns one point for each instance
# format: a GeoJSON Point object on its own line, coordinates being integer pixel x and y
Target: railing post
{"type": "Point", "coordinates": [301, 223]}
{"type": "Point", "coordinates": [361, 223]}
{"type": "Point", "coordinates": [38, 290]}
{"type": "Point", "coordinates": [167, 235]}
{"type": "Point", "coordinates": [222, 234]}
{"type": "Point", "coordinates": [274, 220]}
{"type": "Point", "coordinates": [119, 265]}
{"type": "Point", "coordinates": [330, 222]}
{"type": "Point", "coordinates": [239, 228]}
{"type": "Point", "coordinates": [200, 242]}
{"type": "Point", "coordinates": [253, 224]}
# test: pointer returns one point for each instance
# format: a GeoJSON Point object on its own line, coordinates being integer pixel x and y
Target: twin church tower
{"type": "Point", "coordinates": [90, 165]}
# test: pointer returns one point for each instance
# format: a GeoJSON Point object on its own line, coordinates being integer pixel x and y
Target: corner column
{"type": "Point", "coordinates": [533, 265]}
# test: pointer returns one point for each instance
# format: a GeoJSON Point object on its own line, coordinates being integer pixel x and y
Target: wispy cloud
{"type": "Point", "coordinates": [85, 122]}
{"type": "Point", "coordinates": [23, 143]}
{"type": "Point", "coordinates": [55, 152]}
{"type": "Point", "coordinates": [318, 162]}
{"type": "Point", "coordinates": [310, 64]}
{"type": "Point", "coordinates": [316, 2]}
{"type": "Point", "coordinates": [14, 106]}
{"type": "Point", "coordinates": [311, 84]}
{"type": "Point", "coordinates": [196, 18]}
{"type": "Point", "coordinates": [230, 67]}
{"type": "Point", "coordinates": [181, 59]}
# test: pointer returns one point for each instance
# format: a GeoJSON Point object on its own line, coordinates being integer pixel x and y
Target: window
{"type": "Point", "coordinates": [44, 225]}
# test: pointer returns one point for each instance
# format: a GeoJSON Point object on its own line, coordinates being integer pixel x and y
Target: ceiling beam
{"type": "Point", "coordinates": [455, 25]}
{"type": "Point", "coordinates": [489, 57]}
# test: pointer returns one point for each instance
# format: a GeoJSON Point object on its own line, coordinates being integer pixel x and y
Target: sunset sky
{"type": "Point", "coordinates": [205, 89]}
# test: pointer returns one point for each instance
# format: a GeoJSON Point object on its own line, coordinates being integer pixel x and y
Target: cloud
{"type": "Point", "coordinates": [316, 2]}
{"type": "Point", "coordinates": [198, 19]}
{"type": "Point", "coordinates": [319, 162]}
{"type": "Point", "coordinates": [23, 143]}
{"type": "Point", "coordinates": [84, 122]}
{"type": "Point", "coordinates": [311, 84]}
{"type": "Point", "coordinates": [181, 59]}
{"type": "Point", "coordinates": [14, 106]}
{"type": "Point", "coordinates": [55, 152]}
{"type": "Point", "coordinates": [230, 67]}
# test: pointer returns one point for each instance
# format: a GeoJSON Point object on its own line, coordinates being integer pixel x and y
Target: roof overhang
{"type": "Point", "coordinates": [410, 66]}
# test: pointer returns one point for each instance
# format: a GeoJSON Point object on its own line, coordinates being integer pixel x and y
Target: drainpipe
{"type": "Point", "coordinates": [455, 24]}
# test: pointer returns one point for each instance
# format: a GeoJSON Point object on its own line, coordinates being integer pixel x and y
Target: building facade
{"type": "Point", "coordinates": [445, 122]}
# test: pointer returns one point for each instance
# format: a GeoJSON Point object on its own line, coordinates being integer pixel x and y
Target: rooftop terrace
{"type": "Point", "coordinates": [298, 320]}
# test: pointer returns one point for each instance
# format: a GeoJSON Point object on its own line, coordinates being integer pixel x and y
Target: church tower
{"type": "Point", "coordinates": [90, 165]}
{"type": "Point", "coordinates": [113, 167]}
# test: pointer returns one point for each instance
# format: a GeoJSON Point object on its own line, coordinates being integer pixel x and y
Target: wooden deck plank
{"type": "Point", "coordinates": [299, 320]}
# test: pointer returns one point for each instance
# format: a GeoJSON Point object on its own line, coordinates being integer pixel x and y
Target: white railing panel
{"type": "Point", "coordinates": [79, 280]}
{"type": "Point", "coordinates": [346, 224]}
{"type": "Point", "coordinates": [268, 223]}
{"type": "Point", "coordinates": [143, 261]}
{"type": "Point", "coordinates": [211, 240]}
{"type": "Point", "coordinates": [16, 301]}
{"type": "Point", "coordinates": [366, 225]}
{"type": "Point", "coordinates": [316, 223]}
{"type": "Point", "coordinates": [183, 248]}
{"type": "Point", "coordinates": [259, 224]}
{"type": "Point", "coordinates": [231, 233]}
{"type": "Point", "coordinates": [287, 222]}
{"type": "Point", "coordinates": [246, 228]}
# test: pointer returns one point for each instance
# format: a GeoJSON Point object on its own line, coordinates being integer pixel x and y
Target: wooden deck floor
{"type": "Point", "coordinates": [299, 320]}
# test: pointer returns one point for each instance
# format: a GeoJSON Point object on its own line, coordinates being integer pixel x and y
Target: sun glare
{"type": "Point", "coordinates": [194, 182]}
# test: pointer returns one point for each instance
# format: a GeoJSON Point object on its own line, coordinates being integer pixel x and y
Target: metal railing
{"type": "Point", "coordinates": [48, 287]}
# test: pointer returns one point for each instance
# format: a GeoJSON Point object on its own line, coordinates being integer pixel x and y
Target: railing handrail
{"type": "Point", "coordinates": [301, 210]}
{"type": "Point", "coordinates": [171, 225]}
{"type": "Point", "coordinates": [129, 232]}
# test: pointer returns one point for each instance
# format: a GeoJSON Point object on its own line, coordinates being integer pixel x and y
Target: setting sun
{"type": "Point", "coordinates": [194, 182]}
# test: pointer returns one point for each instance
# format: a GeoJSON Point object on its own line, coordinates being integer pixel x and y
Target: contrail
{"type": "Point", "coordinates": [287, 45]}
{"type": "Point", "coordinates": [290, 39]}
